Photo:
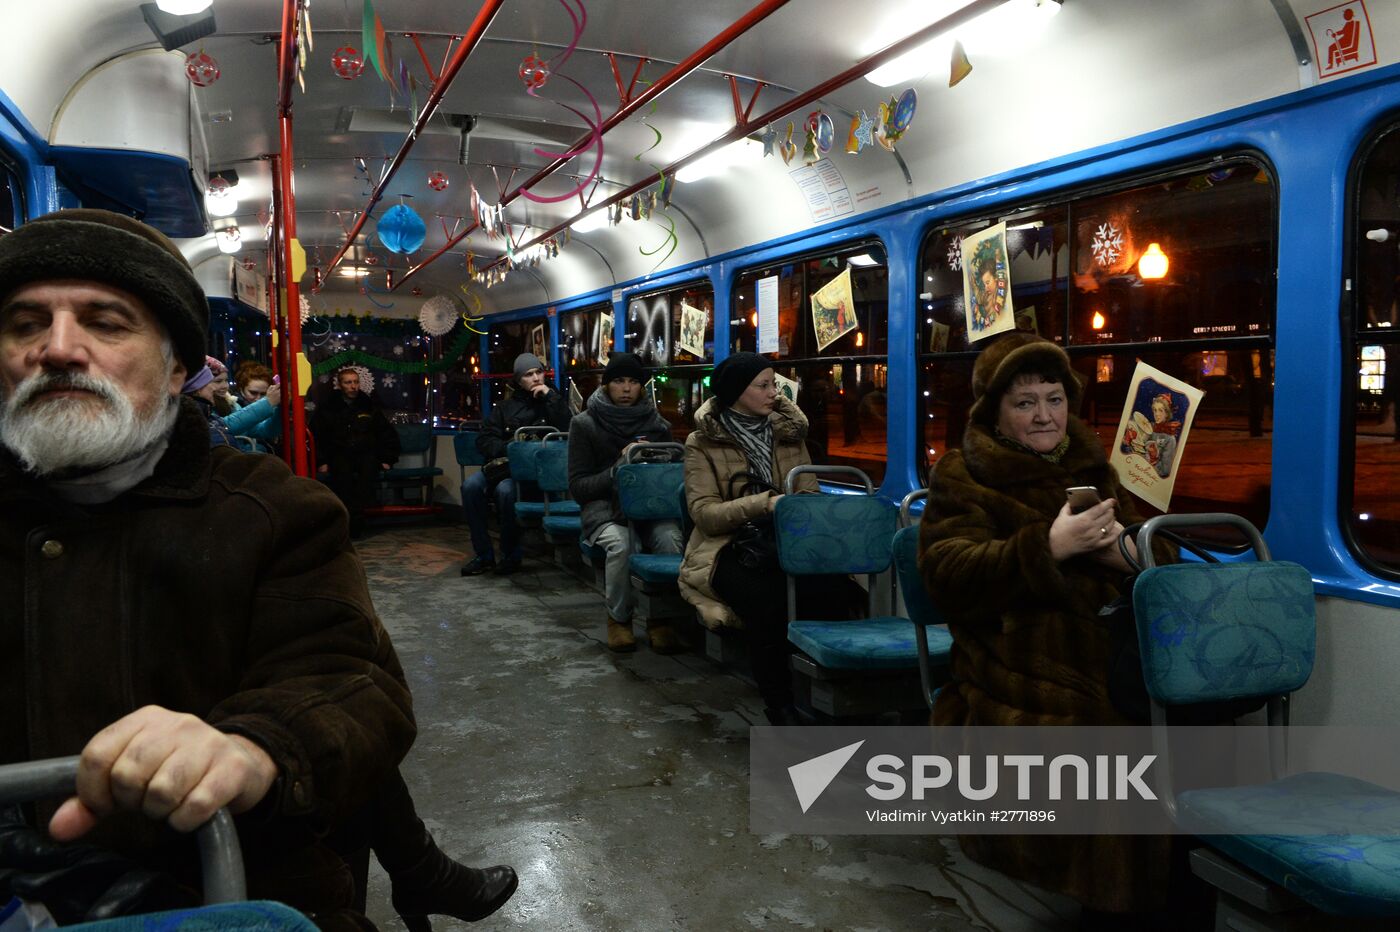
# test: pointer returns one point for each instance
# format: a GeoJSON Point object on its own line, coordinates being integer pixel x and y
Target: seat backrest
{"type": "Point", "coordinates": [414, 438]}
{"type": "Point", "coordinates": [911, 585]}
{"type": "Point", "coordinates": [683, 506]}
{"type": "Point", "coordinates": [552, 467]}
{"type": "Point", "coordinates": [647, 491]}
{"type": "Point", "coordinates": [524, 460]}
{"type": "Point", "coordinates": [464, 446]}
{"type": "Point", "coordinates": [1218, 631]}
{"type": "Point", "coordinates": [834, 533]}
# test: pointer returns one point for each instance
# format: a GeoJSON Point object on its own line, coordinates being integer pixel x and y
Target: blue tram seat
{"type": "Point", "coordinates": [561, 519]}
{"type": "Point", "coordinates": [416, 441]}
{"type": "Point", "coordinates": [524, 469]}
{"type": "Point", "coordinates": [1197, 623]}
{"type": "Point", "coordinates": [647, 492]}
{"type": "Point", "coordinates": [464, 447]}
{"type": "Point", "coordinates": [930, 631]}
{"type": "Point", "coordinates": [853, 666]}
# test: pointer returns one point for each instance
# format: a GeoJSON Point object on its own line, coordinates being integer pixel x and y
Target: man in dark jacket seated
{"type": "Point", "coordinates": [188, 676]}
{"type": "Point", "coordinates": [354, 441]}
{"type": "Point", "coordinates": [533, 403]}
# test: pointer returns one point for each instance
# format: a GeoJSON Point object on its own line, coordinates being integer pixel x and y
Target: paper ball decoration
{"type": "Point", "coordinates": [348, 63]}
{"type": "Point", "coordinates": [401, 230]}
{"type": "Point", "coordinates": [437, 181]}
{"type": "Point", "coordinates": [534, 71]}
{"type": "Point", "coordinates": [201, 68]}
{"type": "Point", "coordinates": [439, 315]}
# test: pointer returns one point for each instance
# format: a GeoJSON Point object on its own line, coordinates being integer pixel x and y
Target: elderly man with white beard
{"type": "Point", "coordinates": [189, 675]}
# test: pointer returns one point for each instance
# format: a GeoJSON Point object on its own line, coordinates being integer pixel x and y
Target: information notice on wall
{"type": "Point", "coordinates": [825, 190]}
{"type": "Point", "coordinates": [768, 314]}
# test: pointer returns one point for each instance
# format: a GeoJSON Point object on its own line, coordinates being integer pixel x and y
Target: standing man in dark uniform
{"type": "Point", "coordinates": [353, 442]}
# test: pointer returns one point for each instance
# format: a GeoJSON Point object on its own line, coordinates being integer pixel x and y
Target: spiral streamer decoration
{"type": "Point", "coordinates": [595, 136]}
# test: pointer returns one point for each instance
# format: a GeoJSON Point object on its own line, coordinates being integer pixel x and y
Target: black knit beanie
{"type": "Point", "coordinates": [734, 374]}
{"type": "Point", "coordinates": [624, 366]}
{"type": "Point", "coordinates": [111, 249]}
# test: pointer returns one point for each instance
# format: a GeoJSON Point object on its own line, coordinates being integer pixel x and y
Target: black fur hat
{"type": "Point", "coordinates": [101, 246]}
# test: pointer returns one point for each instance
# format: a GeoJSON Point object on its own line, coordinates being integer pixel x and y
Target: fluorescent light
{"type": "Point", "coordinates": [590, 222]}
{"type": "Point", "coordinates": [183, 7]}
{"type": "Point", "coordinates": [716, 162]}
{"type": "Point", "coordinates": [862, 260]}
{"type": "Point", "coordinates": [1006, 29]}
{"type": "Point", "coordinates": [225, 205]}
{"type": "Point", "coordinates": [352, 272]}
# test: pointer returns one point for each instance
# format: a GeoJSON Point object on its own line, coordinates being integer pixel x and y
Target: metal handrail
{"type": "Point", "coordinates": [220, 856]}
{"type": "Point", "coordinates": [1150, 526]}
{"type": "Point", "coordinates": [556, 435]}
{"type": "Point", "coordinates": [790, 482]}
{"type": "Point", "coordinates": [542, 429]}
{"type": "Point", "coordinates": [908, 502]}
{"type": "Point", "coordinates": [644, 445]}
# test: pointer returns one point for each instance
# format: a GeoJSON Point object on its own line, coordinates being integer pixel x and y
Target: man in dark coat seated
{"type": "Point", "coordinates": [534, 402]}
{"type": "Point", "coordinates": [188, 675]}
{"type": "Point", "coordinates": [354, 441]}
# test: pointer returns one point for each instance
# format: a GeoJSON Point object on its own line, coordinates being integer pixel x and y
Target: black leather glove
{"type": "Point", "coordinates": [77, 882]}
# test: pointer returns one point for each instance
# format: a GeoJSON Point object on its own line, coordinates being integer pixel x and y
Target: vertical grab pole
{"type": "Point", "coordinates": [286, 66]}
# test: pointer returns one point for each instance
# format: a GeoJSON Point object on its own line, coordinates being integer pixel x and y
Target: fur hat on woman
{"type": "Point", "coordinates": [1007, 357]}
{"type": "Point", "coordinates": [111, 249]}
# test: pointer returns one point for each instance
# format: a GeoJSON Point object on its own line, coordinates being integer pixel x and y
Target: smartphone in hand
{"type": "Point", "coordinates": [1082, 498]}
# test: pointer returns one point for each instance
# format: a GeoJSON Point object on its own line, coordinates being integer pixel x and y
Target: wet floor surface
{"type": "Point", "coordinates": [617, 785]}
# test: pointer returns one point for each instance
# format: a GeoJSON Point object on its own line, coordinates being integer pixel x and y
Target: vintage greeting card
{"type": "Point", "coordinates": [986, 274]}
{"type": "Point", "coordinates": [1152, 433]}
{"type": "Point", "coordinates": [833, 310]}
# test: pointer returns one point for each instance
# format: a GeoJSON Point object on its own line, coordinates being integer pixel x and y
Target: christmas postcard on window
{"type": "Point", "coordinates": [693, 320]}
{"type": "Point", "coordinates": [986, 271]}
{"type": "Point", "coordinates": [833, 310]}
{"type": "Point", "coordinates": [1157, 416]}
{"type": "Point", "coordinates": [605, 338]}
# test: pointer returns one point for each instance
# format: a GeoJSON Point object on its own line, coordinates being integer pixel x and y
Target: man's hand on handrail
{"type": "Point", "coordinates": [169, 765]}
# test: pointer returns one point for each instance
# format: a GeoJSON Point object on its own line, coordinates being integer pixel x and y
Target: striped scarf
{"type": "Point", "coordinates": [754, 435]}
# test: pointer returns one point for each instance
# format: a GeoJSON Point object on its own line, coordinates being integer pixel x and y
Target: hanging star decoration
{"type": "Point", "coordinates": [865, 131]}
{"type": "Point", "coordinates": [769, 138]}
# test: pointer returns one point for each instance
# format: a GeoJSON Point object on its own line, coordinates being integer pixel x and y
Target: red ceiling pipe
{"type": "Point", "coordinates": [740, 26]}
{"type": "Point", "coordinates": [469, 43]}
{"type": "Point", "coordinates": [859, 69]}
{"type": "Point", "coordinates": [291, 292]}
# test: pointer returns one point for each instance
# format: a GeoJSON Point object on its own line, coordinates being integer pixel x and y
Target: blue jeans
{"type": "Point", "coordinates": [474, 493]}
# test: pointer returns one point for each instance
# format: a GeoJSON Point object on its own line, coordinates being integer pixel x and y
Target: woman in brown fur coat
{"type": "Point", "coordinates": [1021, 580]}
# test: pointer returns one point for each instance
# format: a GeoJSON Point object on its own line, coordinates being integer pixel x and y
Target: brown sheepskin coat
{"type": "Point", "coordinates": [712, 458]}
{"type": "Point", "coordinates": [1028, 645]}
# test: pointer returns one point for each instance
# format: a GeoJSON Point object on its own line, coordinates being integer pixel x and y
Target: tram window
{"type": "Point", "coordinates": [1208, 321]}
{"type": "Point", "coordinates": [579, 348]}
{"type": "Point", "coordinates": [1373, 514]}
{"type": "Point", "coordinates": [507, 341]}
{"type": "Point", "coordinates": [654, 324]}
{"type": "Point", "coordinates": [11, 198]}
{"type": "Point", "coordinates": [841, 386]}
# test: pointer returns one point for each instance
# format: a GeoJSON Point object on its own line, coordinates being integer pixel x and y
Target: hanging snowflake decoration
{"type": "Point", "coordinates": [1108, 244]}
{"type": "Point", "coordinates": [337, 345]}
{"type": "Point", "coordinates": [398, 351]}
{"type": "Point", "coordinates": [389, 381]}
{"type": "Point", "coordinates": [366, 380]}
{"type": "Point", "coordinates": [439, 315]}
{"type": "Point", "coordinates": [305, 305]}
{"type": "Point", "coordinates": [955, 255]}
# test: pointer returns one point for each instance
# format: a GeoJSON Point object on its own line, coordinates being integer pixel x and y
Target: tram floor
{"type": "Point", "coordinates": [617, 785]}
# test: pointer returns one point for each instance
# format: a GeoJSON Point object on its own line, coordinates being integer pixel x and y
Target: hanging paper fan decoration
{"type": "Point", "coordinates": [366, 379]}
{"type": "Point", "coordinates": [348, 63]}
{"type": "Point", "coordinates": [439, 315]}
{"type": "Point", "coordinates": [401, 230]}
{"type": "Point", "coordinates": [201, 68]}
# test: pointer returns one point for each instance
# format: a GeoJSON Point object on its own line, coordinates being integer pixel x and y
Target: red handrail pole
{"type": "Point", "coordinates": [469, 43]}
{"type": "Point", "coordinates": [747, 127]}
{"type": "Point", "coordinates": [293, 391]}
{"type": "Point", "coordinates": [733, 31]}
{"type": "Point", "coordinates": [276, 276]}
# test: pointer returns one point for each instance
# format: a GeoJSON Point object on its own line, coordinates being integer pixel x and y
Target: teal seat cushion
{"type": "Point", "coordinates": [834, 533]}
{"type": "Point", "coordinates": [566, 507]}
{"type": "Point", "coordinates": [249, 916]}
{"type": "Point", "coordinates": [563, 525]}
{"type": "Point", "coordinates": [869, 644]}
{"type": "Point", "coordinates": [655, 567]}
{"type": "Point", "coordinates": [536, 509]}
{"type": "Point", "coordinates": [1213, 631]}
{"type": "Point", "coordinates": [1339, 874]}
{"type": "Point", "coordinates": [410, 472]}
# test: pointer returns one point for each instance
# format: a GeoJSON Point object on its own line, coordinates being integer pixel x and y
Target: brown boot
{"type": "Point", "coordinates": [663, 637]}
{"type": "Point", "coordinates": [620, 639]}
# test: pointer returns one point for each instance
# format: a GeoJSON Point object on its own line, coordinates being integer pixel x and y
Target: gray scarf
{"type": "Point", "coordinates": [754, 435]}
{"type": "Point", "coordinates": [107, 483]}
{"type": "Point", "coordinates": [625, 423]}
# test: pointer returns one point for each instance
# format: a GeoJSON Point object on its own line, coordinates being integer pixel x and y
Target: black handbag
{"type": "Point", "coordinates": [497, 469]}
{"type": "Point", "coordinates": [1127, 686]}
{"type": "Point", "coordinates": [755, 543]}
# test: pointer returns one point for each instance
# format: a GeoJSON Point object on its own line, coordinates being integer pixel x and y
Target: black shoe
{"type": "Point", "coordinates": [442, 887]}
{"type": "Point", "coordinates": [507, 566]}
{"type": "Point", "coordinates": [478, 566]}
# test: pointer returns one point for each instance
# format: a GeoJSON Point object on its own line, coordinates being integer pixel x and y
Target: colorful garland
{"type": "Point", "coordinates": [450, 355]}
